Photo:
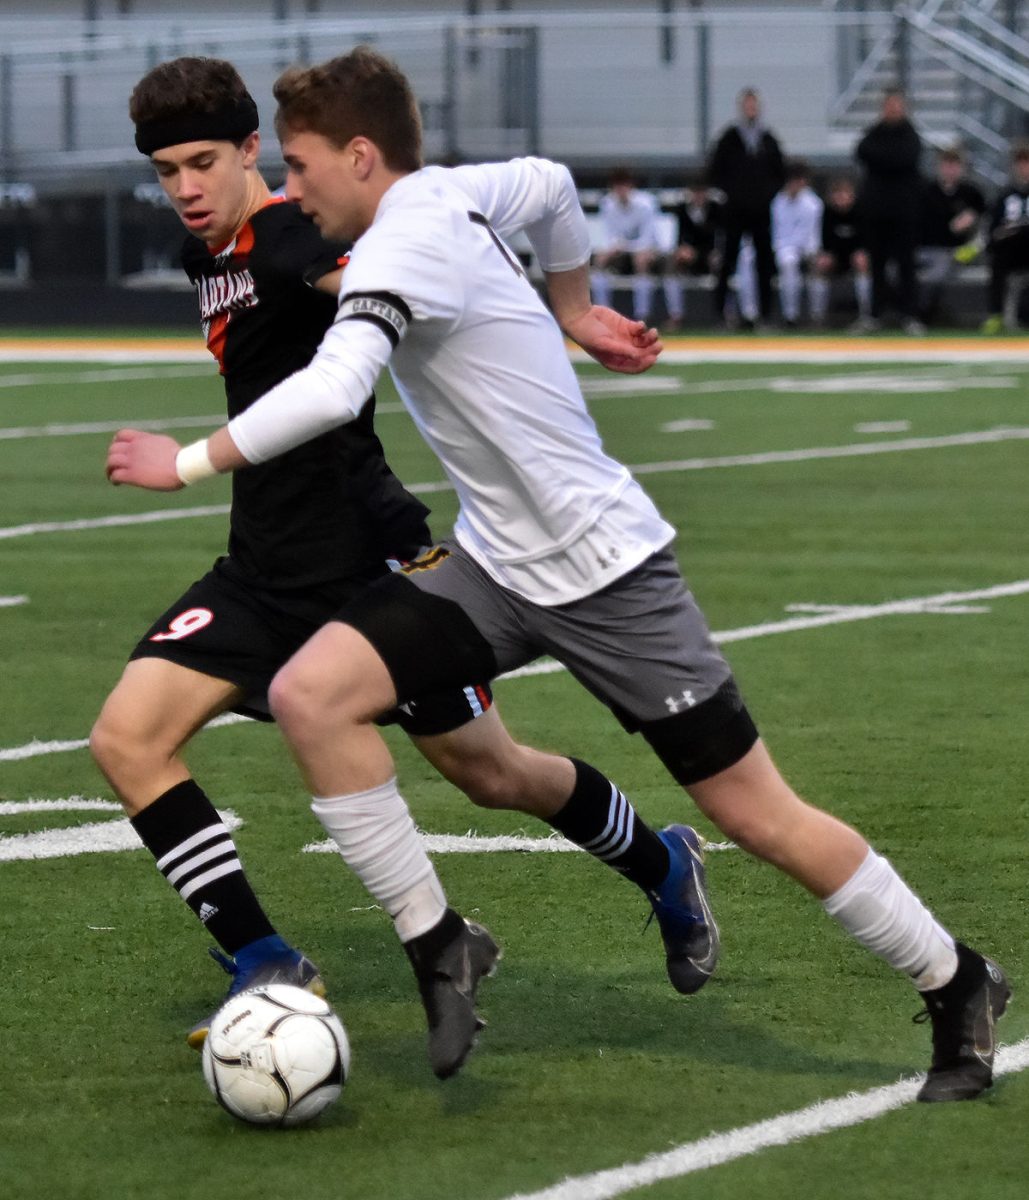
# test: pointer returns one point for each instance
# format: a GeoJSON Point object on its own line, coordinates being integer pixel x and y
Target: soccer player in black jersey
{"type": "Point", "coordinates": [842, 252]}
{"type": "Point", "coordinates": [307, 532]}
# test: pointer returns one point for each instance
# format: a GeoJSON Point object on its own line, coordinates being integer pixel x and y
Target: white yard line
{"type": "Point", "coordinates": [132, 374]}
{"type": "Point", "coordinates": [19, 432]}
{"type": "Point", "coordinates": [719, 1148]}
{"type": "Point", "coordinates": [99, 353]}
{"type": "Point", "coordinates": [836, 615]}
{"type": "Point", "coordinates": [113, 522]}
{"type": "Point", "coordinates": [12, 601]}
{"type": "Point", "coordinates": [850, 450]}
{"type": "Point", "coordinates": [871, 351]}
{"type": "Point", "coordinates": [823, 616]}
{"type": "Point", "coordinates": [91, 838]}
{"type": "Point", "coordinates": [474, 843]}
{"type": "Point", "coordinates": [764, 458]}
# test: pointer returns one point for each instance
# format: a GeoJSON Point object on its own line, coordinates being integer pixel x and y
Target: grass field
{"type": "Point", "coordinates": [839, 488]}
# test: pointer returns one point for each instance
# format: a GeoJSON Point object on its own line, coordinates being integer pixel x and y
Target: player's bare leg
{"type": "Point", "coordinates": [154, 710]}
{"type": "Point", "coordinates": [964, 992]}
{"type": "Point", "coordinates": [325, 700]}
{"type": "Point", "coordinates": [494, 771]}
{"type": "Point", "coordinates": [137, 740]}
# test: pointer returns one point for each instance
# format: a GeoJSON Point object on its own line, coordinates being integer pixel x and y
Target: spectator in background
{"type": "Point", "coordinates": [890, 200]}
{"type": "Point", "coordinates": [700, 219]}
{"type": "Point", "coordinates": [952, 210]}
{"type": "Point", "coordinates": [796, 237]}
{"type": "Point", "coordinates": [1008, 240]}
{"type": "Point", "coordinates": [747, 166]}
{"type": "Point", "coordinates": [628, 243]}
{"type": "Point", "coordinates": [842, 253]}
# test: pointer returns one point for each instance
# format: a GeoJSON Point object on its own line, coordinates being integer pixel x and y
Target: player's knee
{"type": "Point", "coordinates": [303, 700]}
{"type": "Point", "coordinates": [290, 698]}
{"type": "Point", "coordinates": [118, 746]}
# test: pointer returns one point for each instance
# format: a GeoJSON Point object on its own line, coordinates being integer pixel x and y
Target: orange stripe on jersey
{"type": "Point", "coordinates": [217, 331]}
{"type": "Point", "coordinates": [242, 244]}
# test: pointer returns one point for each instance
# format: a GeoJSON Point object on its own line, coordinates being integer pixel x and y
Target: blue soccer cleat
{"type": "Point", "coordinates": [270, 960]}
{"type": "Point", "coordinates": [683, 913]}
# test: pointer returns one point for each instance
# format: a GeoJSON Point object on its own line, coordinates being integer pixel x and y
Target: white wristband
{"type": "Point", "coordinates": [193, 463]}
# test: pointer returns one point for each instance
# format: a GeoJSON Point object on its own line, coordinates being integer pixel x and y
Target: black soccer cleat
{"type": "Point", "coordinates": [683, 913]}
{"type": "Point", "coordinates": [448, 977]}
{"type": "Point", "coordinates": [963, 1013]}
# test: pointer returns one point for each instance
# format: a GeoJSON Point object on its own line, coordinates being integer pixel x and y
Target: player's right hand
{"type": "Point", "coordinates": [145, 460]}
{"type": "Point", "coordinates": [628, 347]}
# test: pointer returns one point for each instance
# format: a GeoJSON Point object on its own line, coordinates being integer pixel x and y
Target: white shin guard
{"type": "Point", "coordinates": [378, 841]}
{"type": "Point", "coordinates": [876, 907]}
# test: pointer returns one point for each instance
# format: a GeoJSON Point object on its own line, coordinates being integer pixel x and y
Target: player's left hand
{"type": "Point", "coordinates": [145, 460]}
{"type": "Point", "coordinates": [629, 347]}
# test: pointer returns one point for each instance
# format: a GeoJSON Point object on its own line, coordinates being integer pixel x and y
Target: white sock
{"type": "Point", "coordinates": [600, 286]}
{"type": "Point", "coordinates": [876, 907]}
{"type": "Point", "coordinates": [642, 297]}
{"type": "Point", "coordinates": [863, 292]}
{"type": "Point", "coordinates": [818, 297]}
{"type": "Point", "coordinates": [378, 841]}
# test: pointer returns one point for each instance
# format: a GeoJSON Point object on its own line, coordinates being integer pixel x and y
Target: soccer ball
{"type": "Point", "coordinates": [276, 1055]}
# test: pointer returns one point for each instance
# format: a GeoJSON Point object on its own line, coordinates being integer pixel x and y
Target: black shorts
{"type": "Point", "coordinates": [226, 627]}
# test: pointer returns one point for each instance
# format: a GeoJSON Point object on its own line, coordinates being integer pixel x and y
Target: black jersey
{"type": "Point", "coordinates": [1009, 216]}
{"type": "Point", "coordinates": [940, 207]}
{"type": "Point", "coordinates": [700, 225]}
{"type": "Point", "coordinates": [841, 233]}
{"type": "Point", "coordinates": [330, 509]}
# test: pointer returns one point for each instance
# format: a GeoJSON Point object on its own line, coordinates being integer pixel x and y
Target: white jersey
{"type": "Point", "coordinates": [482, 367]}
{"type": "Point", "coordinates": [797, 222]}
{"type": "Point", "coordinates": [631, 226]}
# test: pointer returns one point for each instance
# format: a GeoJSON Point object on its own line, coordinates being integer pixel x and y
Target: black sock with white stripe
{"type": "Point", "coordinates": [598, 818]}
{"type": "Point", "coordinates": [196, 854]}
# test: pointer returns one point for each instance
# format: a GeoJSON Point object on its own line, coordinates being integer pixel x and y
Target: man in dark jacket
{"type": "Point", "coordinates": [890, 198]}
{"type": "Point", "coordinates": [747, 166]}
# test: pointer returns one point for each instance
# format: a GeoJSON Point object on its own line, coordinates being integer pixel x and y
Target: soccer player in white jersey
{"type": "Point", "coordinates": [629, 243]}
{"type": "Point", "coordinates": [557, 549]}
{"type": "Point", "coordinates": [308, 531]}
{"type": "Point", "coordinates": [796, 237]}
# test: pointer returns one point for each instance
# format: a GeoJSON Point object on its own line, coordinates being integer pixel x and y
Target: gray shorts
{"type": "Point", "coordinates": [641, 646]}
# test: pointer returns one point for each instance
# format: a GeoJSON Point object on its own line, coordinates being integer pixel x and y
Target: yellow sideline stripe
{"type": "Point", "coordinates": [68, 344]}
{"type": "Point", "coordinates": [743, 342]}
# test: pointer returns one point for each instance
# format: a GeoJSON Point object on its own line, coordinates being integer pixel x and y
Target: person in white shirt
{"type": "Point", "coordinates": [796, 237]}
{"type": "Point", "coordinates": [557, 549]}
{"type": "Point", "coordinates": [627, 243]}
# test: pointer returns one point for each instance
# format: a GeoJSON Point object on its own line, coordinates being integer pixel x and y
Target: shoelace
{"type": "Point", "coordinates": [230, 967]}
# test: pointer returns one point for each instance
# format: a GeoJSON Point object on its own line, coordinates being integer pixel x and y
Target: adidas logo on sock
{"type": "Point", "coordinates": [207, 911]}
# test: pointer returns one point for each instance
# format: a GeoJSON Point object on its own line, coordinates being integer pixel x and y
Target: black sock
{"type": "Point", "coordinates": [598, 818]}
{"type": "Point", "coordinates": [425, 949]}
{"type": "Point", "coordinates": [196, 854]}
{"type": "Point", "coordinates": [967, 977]}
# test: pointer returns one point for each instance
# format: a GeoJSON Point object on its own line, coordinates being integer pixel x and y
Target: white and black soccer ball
{"type": "Point", "coordinates": [276, 1055]}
